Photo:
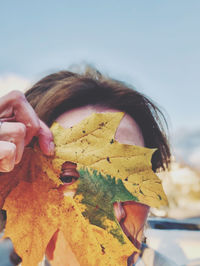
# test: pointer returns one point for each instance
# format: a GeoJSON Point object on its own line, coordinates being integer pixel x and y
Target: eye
{"type": "Point", "coordinates": [68, 179]}
{"type": "Point", "coordinates": [69, 174]}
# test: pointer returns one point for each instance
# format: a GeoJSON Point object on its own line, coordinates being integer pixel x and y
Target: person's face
{"type": "Point", "coordinates": [131, 215]}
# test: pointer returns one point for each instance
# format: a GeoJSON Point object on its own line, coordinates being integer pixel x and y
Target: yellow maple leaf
{"type": "Point", "coordinates": [37, 208]}
{"type": "Point", "coordinates": [92, 143]}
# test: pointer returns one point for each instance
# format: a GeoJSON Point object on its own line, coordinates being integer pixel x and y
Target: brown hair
{"type": "Point", "coordinates": [65, 90]}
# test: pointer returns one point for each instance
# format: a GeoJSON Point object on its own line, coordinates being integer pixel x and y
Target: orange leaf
{"type": "Point", "coordinates": [35, 211]}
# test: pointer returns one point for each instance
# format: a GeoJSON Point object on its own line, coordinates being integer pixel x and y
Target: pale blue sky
{"type": "Point", "coordinates": [154, 45]}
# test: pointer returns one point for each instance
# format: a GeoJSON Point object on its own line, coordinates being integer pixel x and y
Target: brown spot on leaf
{"type": "Point", "coordinates": [102, 249]}
{"type": "Point", "coordinates": [108, 159]}
{"type": "Point", "coordinates": [141, 192]}
{"type": "Point", "coordinates": [112, 141]}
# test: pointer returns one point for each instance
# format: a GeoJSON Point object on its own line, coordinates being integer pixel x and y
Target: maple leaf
{"type": "Point", "coordinates": [91, 143]}
{"type": "Point", "coordinates": [109, 172]}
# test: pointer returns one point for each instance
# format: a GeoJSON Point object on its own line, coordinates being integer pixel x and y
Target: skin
{"type": "Point", "coordinates": [20, 125]}
{"type": "Point", "coordinates": [131, 215]}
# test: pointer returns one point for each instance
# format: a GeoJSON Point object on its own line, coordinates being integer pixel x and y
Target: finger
{"type": "Point", "coordinates": [7, 156]}
{"type": "Point", "coordinates": [24, 113]}
{"type": "Point", "coordinates": [14, 132]}
{"type": "Point", "coordinates": [45, 139]}
{"type": "Point", "coordinates": [15, 105]}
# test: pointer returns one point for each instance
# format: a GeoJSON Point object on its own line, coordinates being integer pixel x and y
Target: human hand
{"type": "Point", "coordinates": [18, 125]}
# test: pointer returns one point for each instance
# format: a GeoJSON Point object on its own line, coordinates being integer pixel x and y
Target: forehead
{"type": "Point", "coordinates": [128, 131]}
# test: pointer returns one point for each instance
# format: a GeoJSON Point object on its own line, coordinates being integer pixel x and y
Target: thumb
{"type": "Point", "coordinates": [45, 139]}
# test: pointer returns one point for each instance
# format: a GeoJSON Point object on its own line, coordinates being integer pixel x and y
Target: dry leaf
{"type": "Point", "coordinates": [109, 171]}
{"type": "Point", "coordinates": [91, 143]}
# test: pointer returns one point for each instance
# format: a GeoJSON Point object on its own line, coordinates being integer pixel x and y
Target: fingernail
{"type": "Point", "coordinates": [51, 148]}
{"type": "Point", "coordinates": [7, 167]}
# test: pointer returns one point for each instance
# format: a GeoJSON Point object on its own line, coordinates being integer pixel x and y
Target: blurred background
{"type": "Point", "coordinates": [153, 45]}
